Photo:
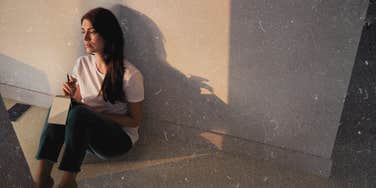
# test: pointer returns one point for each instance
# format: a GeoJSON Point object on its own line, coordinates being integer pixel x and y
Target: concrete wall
{"type": "Point", "coordinates": [290, 67]}
{"type": "Point", "coordinates": [285, 68]}
{"type": "Point", "coordinates": [40, 41]}
{"type": "Point", "coordinates": [274, 72]}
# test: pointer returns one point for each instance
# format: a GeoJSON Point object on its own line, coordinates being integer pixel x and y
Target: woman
{"type": "Point", "coordinates": [107, 95]}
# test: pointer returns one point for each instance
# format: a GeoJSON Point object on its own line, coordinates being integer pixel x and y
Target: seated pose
{"type": "Point", "coordinates": [107, 94]}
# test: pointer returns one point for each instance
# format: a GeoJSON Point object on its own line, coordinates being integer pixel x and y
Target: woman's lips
{"type": "Point", "coordinates": [87, 45]}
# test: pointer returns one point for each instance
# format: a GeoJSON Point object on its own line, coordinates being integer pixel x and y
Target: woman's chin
{"type": "Point", "coordinates": [89, 51]}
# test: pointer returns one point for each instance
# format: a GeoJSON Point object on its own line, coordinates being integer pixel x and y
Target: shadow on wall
{"type": "Point", "coordinates": [174, 101]}
{"type": "Point", "coordinates": [262, 81]}
{"type": "Point", "coordinates": [18, 75]}
{"type": "Point", "coordinates": [273, 53]}
{"type": "Point", "coordinates": [170, 96]}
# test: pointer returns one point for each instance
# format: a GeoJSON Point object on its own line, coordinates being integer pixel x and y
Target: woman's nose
{"type": "Point", "coordinates": [86, 37]}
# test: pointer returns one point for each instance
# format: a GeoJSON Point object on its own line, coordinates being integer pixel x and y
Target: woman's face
{"type": "Point", "coordinates": [93, 42]}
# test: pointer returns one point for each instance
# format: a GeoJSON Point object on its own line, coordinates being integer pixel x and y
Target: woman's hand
{"type": "Point", "coordinates": [71, 89]}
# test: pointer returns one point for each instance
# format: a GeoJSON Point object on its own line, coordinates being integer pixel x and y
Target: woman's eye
{"type": "Point", "coordinates": [90, 32]}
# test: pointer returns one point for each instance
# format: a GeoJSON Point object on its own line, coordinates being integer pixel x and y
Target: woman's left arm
{"type": "Point", "coordinates": [132, 119]}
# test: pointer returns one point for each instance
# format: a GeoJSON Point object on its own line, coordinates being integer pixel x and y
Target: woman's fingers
{"type": "Point", "coordinates": [66, 92]}
{"type": "Point", "coordinates": [66, 85]}
{"type": "Point", "coordinates": [72, 79]}
{"type": "Point", "coordinates": [70, 85]}
{"type": "Point", "coordinates": [67, 88]}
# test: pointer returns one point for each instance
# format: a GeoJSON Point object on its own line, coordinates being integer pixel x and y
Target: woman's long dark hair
{"type": "Point", "coordinates": [106, 24]}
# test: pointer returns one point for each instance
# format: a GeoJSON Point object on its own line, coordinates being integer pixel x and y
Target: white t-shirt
{"type": "Point", "coordinates": [90, 82]}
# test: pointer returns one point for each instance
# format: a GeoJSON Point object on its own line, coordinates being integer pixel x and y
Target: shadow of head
{"type": "Point", "coordinates": [170, 95]}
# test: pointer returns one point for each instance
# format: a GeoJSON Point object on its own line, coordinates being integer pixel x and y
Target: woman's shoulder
{"type": "Point", "coordinates": [84, 62]}
{"type": "Point", "coordinates": [85, 59]}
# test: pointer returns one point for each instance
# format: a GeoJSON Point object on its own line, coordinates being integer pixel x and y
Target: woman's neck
{"type": "Point", "coordinates": [101, 65]}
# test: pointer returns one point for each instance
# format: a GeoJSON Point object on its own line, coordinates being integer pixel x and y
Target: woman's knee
{"type": "Point", "coordinates": [77, 114]}
{"type": "Point", "coordinates": [53, 132]}
{"type": "Point", "coordinates": [78, 119]}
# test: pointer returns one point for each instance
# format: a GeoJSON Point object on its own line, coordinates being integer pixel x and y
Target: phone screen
{"type": "Point", "coordinates": [17, 110]}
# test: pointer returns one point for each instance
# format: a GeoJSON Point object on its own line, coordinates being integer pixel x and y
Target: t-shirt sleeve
{"type": "Point", "coordinates": [135, 88]}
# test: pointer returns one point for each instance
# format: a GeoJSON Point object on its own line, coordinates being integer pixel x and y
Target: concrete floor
{"type": "Point", "coordinates": [162, 159]}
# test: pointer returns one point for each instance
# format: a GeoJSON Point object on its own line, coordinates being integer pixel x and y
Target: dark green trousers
{"type": "Point", "coordinates": [85, 130]}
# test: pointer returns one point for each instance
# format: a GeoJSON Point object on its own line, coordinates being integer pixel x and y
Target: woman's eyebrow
{"type": "Point", "coordinates": [87, 28]}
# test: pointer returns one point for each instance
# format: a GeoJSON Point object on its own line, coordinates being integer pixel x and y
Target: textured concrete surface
{"type": "Point", "coordinates": [354, 151]}
{"type": "Point", "coordinates": [14, 171]}
{"type": "Point", "coordinates": [165, 157]}
{"type": "Point", "coordinates": [236, 66]}
{"type": "Point", "coordinates": [213, 170]}
{"type": "Point", "coordinates": [162, 152]}
{"type": "Point", "coordinates": [289, 65]}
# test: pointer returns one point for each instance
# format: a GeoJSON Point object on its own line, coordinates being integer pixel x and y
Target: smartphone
{"type": "Point", "coordinates": [17, 110]}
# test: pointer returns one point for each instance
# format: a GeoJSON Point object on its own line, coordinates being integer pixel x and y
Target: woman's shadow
{"type": "Point", "coordinates": [173, 101]}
